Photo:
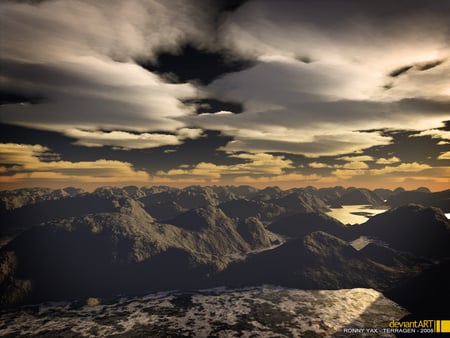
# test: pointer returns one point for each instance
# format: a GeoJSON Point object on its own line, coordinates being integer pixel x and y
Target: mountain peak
{"type": "Point", "coordinates": [200, 218]}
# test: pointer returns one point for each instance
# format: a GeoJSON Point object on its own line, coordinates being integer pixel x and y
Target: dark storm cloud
{"type": "Point", "coordinates": [194, 64]}
{"type": "Point", "coordinates": [214, 106]}
{"type": "Point", "coordinates": [8, 97]}
{"type": "Point", "coordinates": [200, 62]}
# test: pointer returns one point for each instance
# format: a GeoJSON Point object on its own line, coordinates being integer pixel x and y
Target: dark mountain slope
{"type": "Point", "coordinates": [301, 224]}
{"type": "Point", "coordinates": [243, 208]}
{"type": "Point", "coordinates": [412, 228]}
{"type": "Point", "coordinates": [425, 295]}
{"type": "Point", "coordinates": [437, 199]}
{"type": "Point", "coordinates": [15, 221]}
{"type": "Point", "coordinates": [384, 193]}
{"type": "Point", "coordinates": [201, 218]}
{"type": "Point", "coordinates": [358, 196]}
{"type": "Point", "coordinates": [13, 199]}
{"type": "Point", "coordinates": [102, 255]}
{"type": "Point", "coordinates": [254, 233]}
{"type": "Point", "coordinates": [222, 235]}
{"type": "Point", "coordinates": [196, 197]}
{"type": "Point", "coordinates": [387, 256]}
{"type": "Point", "coordinates": [268, 193]}
{"type": "Point", "coordinates": [328, 195]}
{"type": "Point", "coordinates": [134, 192]}
{"type": "Point", "coordinates": [241, 191]}
{"type": "Point", "coordinates": [163, 210]}
{"type": "Point", "coordinates": [319, 261]}
{"type": "Point", "coordinates": [301, 201]}
{"type": "Point", "coordinates": [124, 251]}
{"type": "Point", "coordinates": [187, 198]}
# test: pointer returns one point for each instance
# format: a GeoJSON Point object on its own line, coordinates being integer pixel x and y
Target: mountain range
{"type": "Point", "coordinates": [72, 244]}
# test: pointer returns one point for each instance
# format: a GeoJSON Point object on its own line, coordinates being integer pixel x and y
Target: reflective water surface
{"type": "Point", "coordinates": [347, 215]}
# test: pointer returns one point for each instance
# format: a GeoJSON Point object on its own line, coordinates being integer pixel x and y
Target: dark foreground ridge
{"type": "Point", "coordinates": [60, 245]}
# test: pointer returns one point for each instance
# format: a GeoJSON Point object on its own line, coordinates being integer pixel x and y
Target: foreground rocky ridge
{"type": "Point", "coordinates": [263, 312]}
{"type": "Point", "coordinates": [137, 240]}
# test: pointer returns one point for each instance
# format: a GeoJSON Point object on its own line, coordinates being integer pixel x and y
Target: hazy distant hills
{"type": "Point", "coordinates": [66, 244]}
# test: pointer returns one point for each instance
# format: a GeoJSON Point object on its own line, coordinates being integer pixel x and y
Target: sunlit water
{"type": "Point", "coordinates": [346, 213]}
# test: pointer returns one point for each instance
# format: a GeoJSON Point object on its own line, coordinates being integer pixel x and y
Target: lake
{"type": "Point", "coordinates": [347, 215]}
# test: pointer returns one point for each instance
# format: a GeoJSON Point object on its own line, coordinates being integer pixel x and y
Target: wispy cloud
{"type": "Point", "coordinates": [390, 160]}
{"type": "Point", "coordinates": [25, 165]}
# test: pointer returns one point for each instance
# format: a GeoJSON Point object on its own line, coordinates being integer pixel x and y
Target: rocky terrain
{"type": "Point", "coordinates": [68, 244]}
{"type": "Point", "coordinates": [253, 312]}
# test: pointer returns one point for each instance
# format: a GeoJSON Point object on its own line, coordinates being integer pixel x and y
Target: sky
{"type": "Point", "coordinates": [257, 92]}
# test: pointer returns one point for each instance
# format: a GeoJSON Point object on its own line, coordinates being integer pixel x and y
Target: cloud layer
{"type": "Point", "coordinates": [78, 56]}
{"type": "Point", "coordinates": [330, 91]}
{"type": "Point", "coordinates": [319, 81]}
{"type": "Point", "coordinates": [31, 165]}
